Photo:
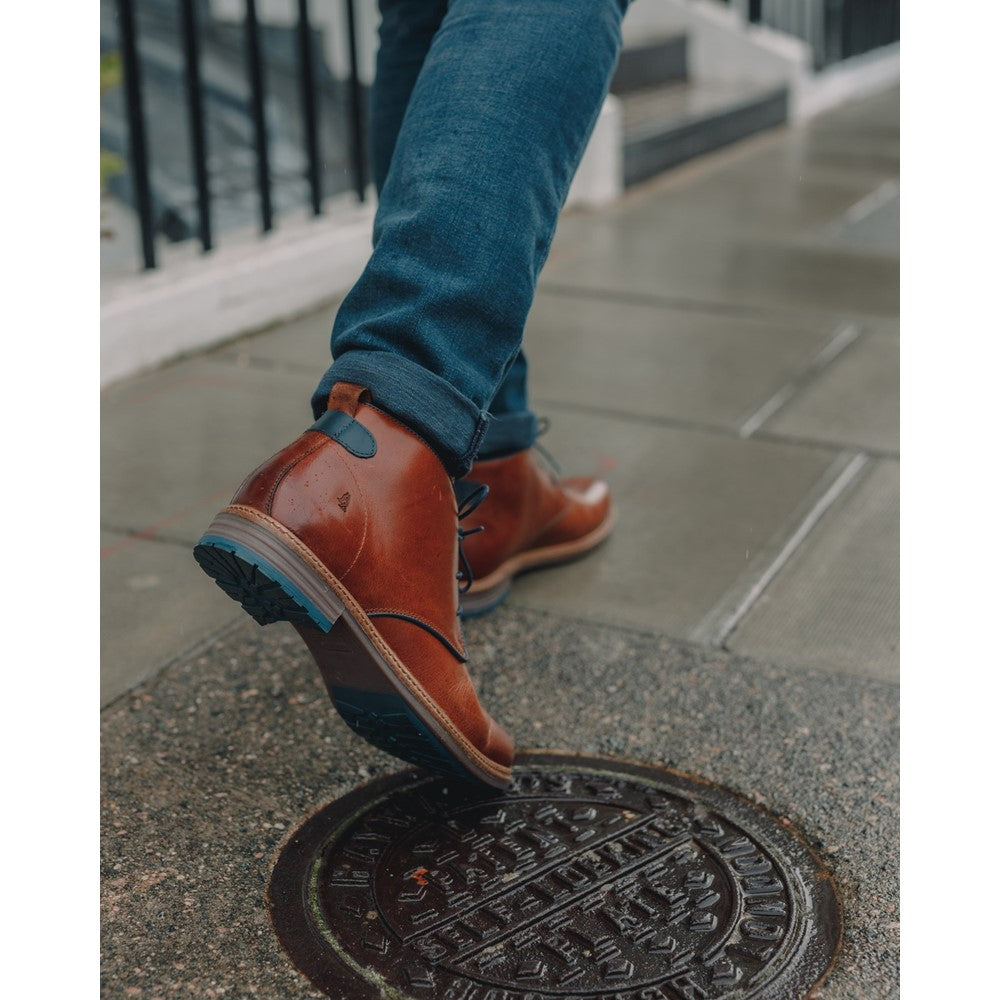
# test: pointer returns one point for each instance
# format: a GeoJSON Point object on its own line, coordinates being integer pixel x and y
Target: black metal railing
{"type": "Point", "coordinates": [196, 120]}
{"type": "Point", "coordinates": [866, 25]}
{"type": "Point", "coordinates": [836, 29]}
{"type": "Point", "coordinates": [190, 35]}
{"type": "Point", "coordinates": [307, 90]}
{"type": "Point", "coordinates": [138, 155]}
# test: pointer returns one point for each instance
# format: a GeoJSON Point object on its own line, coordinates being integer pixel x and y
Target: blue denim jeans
{"type": "Point", "coordinates": [480, 112]}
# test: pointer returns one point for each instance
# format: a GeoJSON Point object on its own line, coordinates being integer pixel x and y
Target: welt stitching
{"type": "Point", "coordinates": [440, 633]}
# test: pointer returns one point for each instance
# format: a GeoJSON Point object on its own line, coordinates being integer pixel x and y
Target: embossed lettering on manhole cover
{"type": "Point", "coordinates": [589, 878]}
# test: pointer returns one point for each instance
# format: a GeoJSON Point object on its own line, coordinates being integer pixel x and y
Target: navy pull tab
{"type": "Point", "coordinates": [346, 431]}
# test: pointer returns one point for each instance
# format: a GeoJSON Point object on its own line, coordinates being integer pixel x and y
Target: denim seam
{"type": "Point", "coordinates": [477, 439]}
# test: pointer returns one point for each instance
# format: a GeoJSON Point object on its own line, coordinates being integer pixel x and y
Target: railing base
{"type": "Point", "coordinates": [196, 302]}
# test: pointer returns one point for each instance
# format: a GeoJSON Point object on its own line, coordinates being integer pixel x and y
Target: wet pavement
{"type": "Point", "coordinates": [723, 347]}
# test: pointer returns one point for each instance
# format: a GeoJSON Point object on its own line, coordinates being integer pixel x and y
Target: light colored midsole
{"type": "Point", "coordinates": [544, 555]}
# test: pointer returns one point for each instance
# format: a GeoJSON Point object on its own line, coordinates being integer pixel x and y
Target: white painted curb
{"type": "Point", "coordinates": [196, 303]}
{"type": "Point", "coordinates": [849, 80]}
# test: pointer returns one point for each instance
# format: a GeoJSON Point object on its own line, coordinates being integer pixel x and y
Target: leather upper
{"type": "Point", "coordinates": [373, 503]}
{"type": "Point", "coordinates": [385, 526]}
{"type": "Point", "coordinates": [528, 508]}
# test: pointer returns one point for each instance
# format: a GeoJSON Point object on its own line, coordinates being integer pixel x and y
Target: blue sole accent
{"type": "Point", "coordinates": [387, 722]}
{"type": "Point", "coordinates": [266, 594]}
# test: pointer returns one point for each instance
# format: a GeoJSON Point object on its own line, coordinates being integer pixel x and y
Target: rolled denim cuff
{"type": "Point", "coordinates": [451, 424]}
{"type": "Point", "coordinates": [509, 433]}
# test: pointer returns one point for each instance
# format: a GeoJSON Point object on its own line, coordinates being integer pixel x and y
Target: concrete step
{"type": "Point", "coordinates": [651, 63]}
{"type": "Point", "coordinates": [668, 124]}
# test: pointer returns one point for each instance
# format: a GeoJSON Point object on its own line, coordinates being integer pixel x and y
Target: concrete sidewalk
{"type": "Point", "coordinates": [723, 347]}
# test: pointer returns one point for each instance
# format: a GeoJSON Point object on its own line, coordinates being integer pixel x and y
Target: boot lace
{"type": "Point", "coordinates": [469, 495]}
{"type": "Point", "coordinates": [543, 424]}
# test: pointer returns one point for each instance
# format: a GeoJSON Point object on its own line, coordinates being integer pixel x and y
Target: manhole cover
{"type": "Point", "coordinates": [589, 878]}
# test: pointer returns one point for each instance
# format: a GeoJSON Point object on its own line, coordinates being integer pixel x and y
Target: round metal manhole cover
{"type": "Point", "coordinates": [588, 878]}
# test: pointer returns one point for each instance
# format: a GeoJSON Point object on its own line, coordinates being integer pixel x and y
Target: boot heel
{"type": "Point", "coordinates": [263, 576]}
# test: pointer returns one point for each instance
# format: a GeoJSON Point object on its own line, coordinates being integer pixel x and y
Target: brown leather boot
{"type": "Point", "coordinates": [351, 534]}
{"type": "Point", "coordinates": [530, 520]}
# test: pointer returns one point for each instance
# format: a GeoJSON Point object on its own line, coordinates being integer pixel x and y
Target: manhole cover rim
{"type": "Point", "coordinates": [317, 953]}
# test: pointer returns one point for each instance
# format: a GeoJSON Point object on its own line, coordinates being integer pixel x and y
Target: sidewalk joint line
{"type": "Point", "coordinates": [866, 206]}
{"type": "Point", "coordinates": [658, 420]}
{"type": "Point", "coordinates": [153, 531]}
{"type": "Point", "coordinates": [778, 437]}
{"type": "Point", "coordinates": [136, 535]}
{"type": "Point", "coordinates": [650, 419]}
{"type": "Point", "coordinates": [812, 518]}
{"type": "Point", "coordinates": [188, 652]}
{"type": "Point", "coordinates": [787, 315]}
{"type": "Point", "coordinates": [844, 335]}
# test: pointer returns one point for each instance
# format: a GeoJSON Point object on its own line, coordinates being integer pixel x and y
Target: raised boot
{"type": "Point", "coordinates": [530, 519]}
{"type": "Point", "coordinates": [351, 534]}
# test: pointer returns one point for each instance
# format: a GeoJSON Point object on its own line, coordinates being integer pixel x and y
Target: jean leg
{"type": "Point", "coordinates": [513, 425]}
{"type": "Point", "coordinates": [498, 119]}
{"type": "Point", "coordinates": [405, 32]}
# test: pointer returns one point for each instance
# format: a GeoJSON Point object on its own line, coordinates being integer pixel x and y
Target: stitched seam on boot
{"type": "Point", "coordinates": [406, 616]}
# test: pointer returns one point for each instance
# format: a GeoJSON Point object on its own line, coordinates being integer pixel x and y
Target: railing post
{"type": "Point", "coordinates": [196, 119]}
{"type": "Point", "coordinates": [357, 127]}
{"type": "Point", "coordinates": [136, 130]}
{"type": "Point", "coordinates": [307, 83]}
{"type": "Point", "coordinates": [255, 73]}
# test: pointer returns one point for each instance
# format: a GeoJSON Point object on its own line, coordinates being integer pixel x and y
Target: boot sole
{"type": "Point", "coordinates": [491, 591]}
{"type": "Point", "coordinates": [274, 577]}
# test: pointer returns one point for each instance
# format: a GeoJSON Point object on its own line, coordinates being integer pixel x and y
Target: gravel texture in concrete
{"type": "Point", "coordinates": [207, 768]}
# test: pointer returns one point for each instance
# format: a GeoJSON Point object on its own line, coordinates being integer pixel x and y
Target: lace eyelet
{"type": "Point", "coordinates": [468, 502]}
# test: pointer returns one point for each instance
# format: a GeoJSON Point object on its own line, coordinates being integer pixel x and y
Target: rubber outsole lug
{"type": "Point", "coordinates": [263, 593]}
{"type": "Point", "coordinates": [385, 721]}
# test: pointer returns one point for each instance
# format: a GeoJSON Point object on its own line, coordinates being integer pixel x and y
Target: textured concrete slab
{"type": "Point", "coordinates": [818, 156]}
{"type": "Point", "coordinates": [303, 344]}
{"type": "Point", "coordinates": [835, 605]}
{"type": "Point", "coordinates": [151, 609]}
{"type": "Point", "coordinates": [653, 361]}
{"type": "Point", "coordinates": [694, 508]}
{"type": "Point", "coordinates": [876, 231]}
{"type": "Point", "coordinates": [855, 401]}
{"type": "Point", "coordinates": [754, 195]}
{"type": "Point", "coordinates": [842, 149]}
{"type": "Point", "coordinates": [875, 116]}
{"type": "Point", "coordinates": [207, 769]}
{"type": "Point", "coordinates": [630, 255]}
{"type": "Point", "coordinates": [176, 444]}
